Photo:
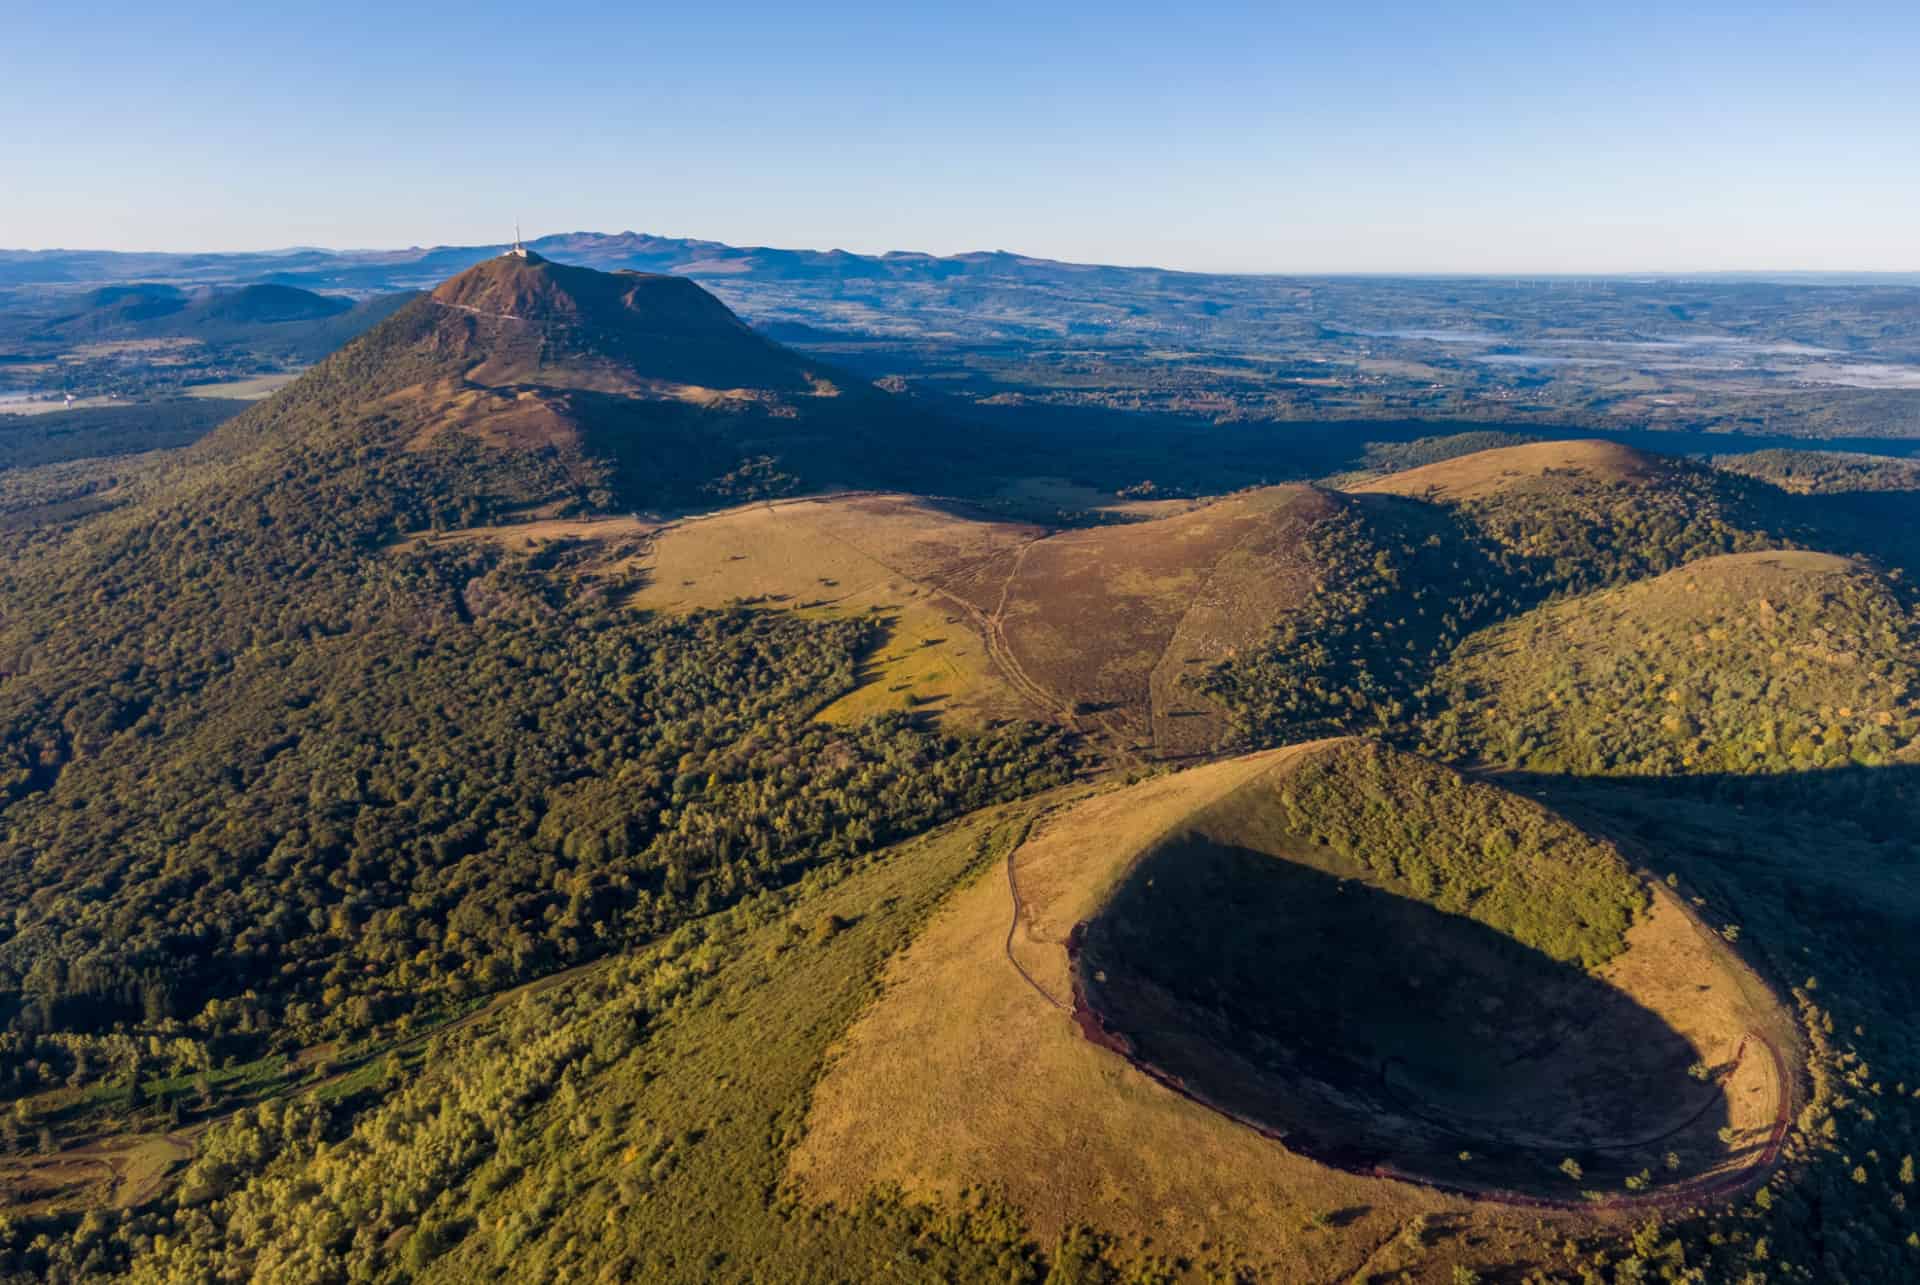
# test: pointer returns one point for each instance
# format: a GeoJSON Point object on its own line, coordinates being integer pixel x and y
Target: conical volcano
{"type": "Point", "coordinates": [537, 321]}
{"type": "Point", "coordinates": [644, 390]}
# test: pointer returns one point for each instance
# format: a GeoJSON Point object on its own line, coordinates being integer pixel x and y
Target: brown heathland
{"type": "Point", "coordinates": [1097, 629]}
{"type": "Point", "coordinates": [1109, 620]}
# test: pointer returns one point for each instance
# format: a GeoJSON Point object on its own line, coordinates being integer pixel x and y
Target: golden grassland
{"type": "Point", "coordinates": [882, 555]}
{"type": "Point", "coordinates": [1096, 628]}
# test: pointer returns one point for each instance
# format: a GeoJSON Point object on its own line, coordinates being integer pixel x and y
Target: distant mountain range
{"type": "Point", "coordinates": [377, 271]}
{"type": "Point", "coordinates": [381, 270]}
{"type": "Point", "coordinates": [997, 297]}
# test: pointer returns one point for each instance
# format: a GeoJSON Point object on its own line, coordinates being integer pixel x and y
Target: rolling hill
{"type": "Point", "coordinates": [214, 315]}
{"type": "Point", "coordinates": [1783, 661]}
{"type": "Point", "coordinates": [1531, 466]}
{"type": "Point", "coordinates": [263, 322]}
{"type": "Point", "coordinates": [1575, 515]}
{"type": "Point", "coordinates": [1098, 629]}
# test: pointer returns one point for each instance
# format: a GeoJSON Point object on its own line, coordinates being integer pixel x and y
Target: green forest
{"type": "Point", "coordinates": [270, 777]}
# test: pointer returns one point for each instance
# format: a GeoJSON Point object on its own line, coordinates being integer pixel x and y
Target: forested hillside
{"type": "Point", "coordinates": [268, 779]}
{"type": "Point", "coordinates": [1442, 550]}
{"type": "Point", "coordinates": [1746, 663]}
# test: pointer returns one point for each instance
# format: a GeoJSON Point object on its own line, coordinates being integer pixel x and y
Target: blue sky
{"type": "Point", "coordinates": [1339, 137]}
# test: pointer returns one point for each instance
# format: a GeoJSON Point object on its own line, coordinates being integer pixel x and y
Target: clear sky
{"type": "Point", "coordinates": [1358, 136]}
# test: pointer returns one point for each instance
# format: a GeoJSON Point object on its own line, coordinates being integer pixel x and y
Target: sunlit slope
{"type": "Point", "coordinates": [1484, 473]}
{"type": "Point", "coordinates": [662, 1090]}
{"type": "Point", "coordinates": [878, 556]}
{"type": "Point", "coordinates": [1778, 661]}
{"type": "Point", "coordinates": [1101, 629]}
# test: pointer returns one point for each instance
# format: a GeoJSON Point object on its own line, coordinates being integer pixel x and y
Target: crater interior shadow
{"type": "Point", "coordinates": [1369, 1027]}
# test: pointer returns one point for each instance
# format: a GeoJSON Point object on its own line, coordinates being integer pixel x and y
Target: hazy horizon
{"type": "Point", "coordinates": [1566, 275]}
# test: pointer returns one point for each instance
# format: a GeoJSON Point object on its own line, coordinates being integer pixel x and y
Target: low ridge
{"type": "Point", "coordinates": [1483, 473]}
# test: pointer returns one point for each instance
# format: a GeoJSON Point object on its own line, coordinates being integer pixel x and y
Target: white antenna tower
{"type": "Point", "coordinates": [519, 251]}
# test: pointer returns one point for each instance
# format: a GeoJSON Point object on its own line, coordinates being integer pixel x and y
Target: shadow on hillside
{"type": "Point", "coordinates": [1373, 1028]}
{"type": "Point", "coordinates": [1877, 805]}
{"type": "Point", "coordinates": [1819, 872]}
{"type": "Point", "coordinates": [1883, 525]}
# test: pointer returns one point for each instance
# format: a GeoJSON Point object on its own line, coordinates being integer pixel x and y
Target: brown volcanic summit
{"type": "Point", "coordinates": [645, 389]}
{"type": "Point", "coordinates": [627, 332]}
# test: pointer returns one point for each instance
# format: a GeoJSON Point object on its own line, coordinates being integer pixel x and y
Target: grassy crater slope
{"type": "Point", "coordinates": [1331, 940]}
{"type": "Point", "coordinates": [1743, 663]}
{"type": "Point", "coordinates": [1362, 995]}
{"type": "Point", "coordinates": [1423, 558]}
